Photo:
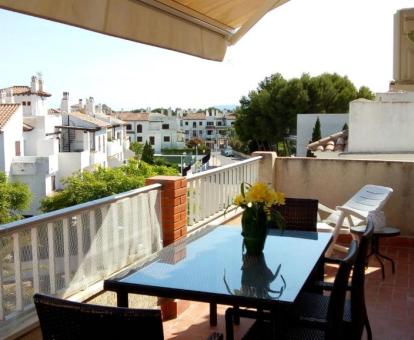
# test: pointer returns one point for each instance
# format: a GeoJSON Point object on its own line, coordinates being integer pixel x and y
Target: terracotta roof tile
{"type": "Point", "coordinates": [25, 90]}
{"type": "Point", "coordinates": [27, 127]}
{"type": "Point", "coordinates": [89, 119]}
{"type": "Point", "coordinates": [195, 116]}
{"type": "Point", "coordinates": [110, 119]}
{"type": "Point", "coordinates": [131, 116]}
{"type": "Point", "coordinates": [53, 111]}
{"type": "Point", "coordinates": [337, 142]}
{"type": "Point", "coordinates": [6, 112]}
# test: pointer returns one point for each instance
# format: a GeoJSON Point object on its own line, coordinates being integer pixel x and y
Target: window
{"type": "Point", "coordinates": [28, 103]}
{"type": "Point", "coordinates": [209, 132]}
{"type": "Point", "coordinates": [200, 132]}
{"type": "Point", "coordinates": [194, 133]}
{"type": "Point", "coordinates": [219, 123]}
{"type": "Point", "coordinates": [17, 148]}
{"type": "Point", "coordinates": [139, 139]}
{"type": "Point", "coordinates": [129, 127]}
{"type": "Point", "coordinates": [152, 140]}
{"type": "Point", "coordinates": [194, 124]}
{"type": "Point", "coordinates": [210, 123]}
{"type": "Point", "coordinates": [186, 123]}
{"type": "Point", "coordinates": [200, 123]}
{"type": "Point", "coordinates": [53, 182]}
{"type": "Point", "coordinates": [165, 126]}
{"type": "Point", "coordinates": [187, 132]}
{"type": "Point", "coordinates": [139, 128]}
{"type": "Point", "coordinates": [166, 138]}
{"type": "Point", "coordinates": [24, 103]}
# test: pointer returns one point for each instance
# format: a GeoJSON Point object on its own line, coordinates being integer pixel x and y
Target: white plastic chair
{"type": "Point", "coordinates": [367, 202]}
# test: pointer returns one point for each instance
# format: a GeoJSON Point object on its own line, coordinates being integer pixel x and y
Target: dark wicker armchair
{"type": "Point", "coordinates": [355, 311]}
{"type": "Point", "coordinates": [328, 327]}
{"type": "Point", "coordinates": [66, 320]}
{"type": "Point", "coordinates": [299, 213]}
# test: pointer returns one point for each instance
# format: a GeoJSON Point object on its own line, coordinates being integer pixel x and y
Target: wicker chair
{"type": "Point", "coordinates": [63, 319]}
{"type": "Point", "coordinates": [355, 311]}
{"type": "Point", "coordinates": [329, 327]}
{"type": "Point", "coordinates": [299, 213]}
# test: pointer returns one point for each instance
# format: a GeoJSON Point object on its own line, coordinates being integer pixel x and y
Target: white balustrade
{"type": "Point", "coordinates": [210, 193]}
{"type": "Point", "coordinates": [68, 250]}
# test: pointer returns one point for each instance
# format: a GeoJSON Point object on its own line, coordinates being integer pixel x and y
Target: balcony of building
{"type": "Point", "coordinates": [71, 251]}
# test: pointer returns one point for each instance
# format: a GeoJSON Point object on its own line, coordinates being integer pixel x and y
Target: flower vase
{"type": "Point", "coordinates": [254, 230]}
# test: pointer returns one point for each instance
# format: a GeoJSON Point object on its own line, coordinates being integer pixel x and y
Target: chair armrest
{"type": "Point", "coordinates": [350, 211]}
{"type": "Point", "coordinates": [331, 260]}
{"type": "Point", "coordinates": [324, 285]}
{"type": "Point", "coordinates": [325, 209]}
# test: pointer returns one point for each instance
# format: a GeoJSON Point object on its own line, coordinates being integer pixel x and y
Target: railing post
{"type": "Point", "coordinates": [173, 206]}
{"type": "Point", "coordinates": [174, 226]}
{"type": "Point", "coordinates": [267, 167]}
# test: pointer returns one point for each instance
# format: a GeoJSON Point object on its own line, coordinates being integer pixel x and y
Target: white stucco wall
{"type": "Point", "coordinates": [385, 126]}
{"type": "Point", "coordinates": [70, 162]}
{"type": "Point", "coordinates": [330, 124]}
{"type": "Point", "coordinates": [12, 132]}
{"type": "Point", "coordinates": [36, 173]}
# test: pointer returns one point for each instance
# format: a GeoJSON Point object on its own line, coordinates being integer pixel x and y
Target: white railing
{"type": "Point", "coordinates": [68, 250]}
{"type": "Point", "coordinates": [211, 192]}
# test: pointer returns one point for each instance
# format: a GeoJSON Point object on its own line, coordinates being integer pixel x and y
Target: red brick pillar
{"type": "Point", "coordinates": [174, 227]}
{"type": "Point", "coordinates": [173, 206]}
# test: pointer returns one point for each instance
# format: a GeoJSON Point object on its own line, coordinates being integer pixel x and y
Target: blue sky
{"type": "Point", "coordinates": [352, 37]}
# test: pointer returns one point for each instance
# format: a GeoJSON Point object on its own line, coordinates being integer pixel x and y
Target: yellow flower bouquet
{"type": "Point", "coordinates": [257, 201]}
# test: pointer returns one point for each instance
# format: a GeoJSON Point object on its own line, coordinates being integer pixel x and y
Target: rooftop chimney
{"type": "Point", "coordinates": [34, 85]}
{"type": "Point", "coordinates": [64, 105]}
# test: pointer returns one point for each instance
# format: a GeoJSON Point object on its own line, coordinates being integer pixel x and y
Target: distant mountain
{"type": "Point", "coordinates": [229, 107]}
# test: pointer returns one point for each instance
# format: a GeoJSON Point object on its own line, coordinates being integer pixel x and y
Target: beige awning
{"type": "Point", "coordinates": [203, 28]}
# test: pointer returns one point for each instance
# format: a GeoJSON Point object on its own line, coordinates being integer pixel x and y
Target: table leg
{"type": "Point", "coordinates": [122, 299]}
{"type": "Point", "coordinates": [229, 323]}
{"type": "Point", "coordinates": [213, 314]}
{"type": "Point", "coordinates": [236, 315]}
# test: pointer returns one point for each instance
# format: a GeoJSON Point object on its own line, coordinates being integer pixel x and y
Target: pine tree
{"type": "Point", "coordinates": [345, 127]}
{"type": "Point", "coordinates": [148, 154]}
{"type": "Point", "coordinates": [316, 133]}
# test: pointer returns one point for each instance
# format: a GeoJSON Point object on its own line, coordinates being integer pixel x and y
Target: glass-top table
{"type": "Point", "coordinates": [210, 267]}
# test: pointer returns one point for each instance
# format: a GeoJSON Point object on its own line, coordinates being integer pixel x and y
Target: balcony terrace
{"type": "Point", "coordinates": [78, 247]}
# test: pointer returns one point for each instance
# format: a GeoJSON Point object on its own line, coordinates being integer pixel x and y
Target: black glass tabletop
{"type": "Point", "coordinates": [210, 266]}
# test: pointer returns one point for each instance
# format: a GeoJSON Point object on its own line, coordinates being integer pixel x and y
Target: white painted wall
{"type": "Point", "coordinates": [36, 172]}
{"type": "Point", "coordinates": [382, 126]}
{"type": "Point", "coordinates": [330, 124]}
{"type": "Point", "coordinates": [12, 132]}
{"type": "Point", "coordinates": [70, 162]}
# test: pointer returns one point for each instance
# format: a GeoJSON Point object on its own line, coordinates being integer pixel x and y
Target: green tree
{"type": "Point", "coordinates": [316, 133]}
{"type": "Point", "coordinates": [14, 198]}
{"type": "Point", "coordinates": [148, 153]}
{"type": "Point", "coordinates": [268, 114]}
{"type": "Point", "coordinates": [137, 148]}
{"type": "Point", "coordinates": [91, 185]}
{"type": "Point", "coordinates": [365, 92]}
{"type": "Point", "coordinates": [345, 127]}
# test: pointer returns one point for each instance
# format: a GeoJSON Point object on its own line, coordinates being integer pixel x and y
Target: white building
{"type": "Point", "coordinates": [211, 126]}
{"type": "Point", "coordinates": [159, 130]}
{"type": "Point", "coordinates": [378, 129]}
{"type": "Point", "coordinates": [30, 145]}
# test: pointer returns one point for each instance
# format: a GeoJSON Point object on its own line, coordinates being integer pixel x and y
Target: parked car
{"type": "Point", "coordinates": [227, 152]}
